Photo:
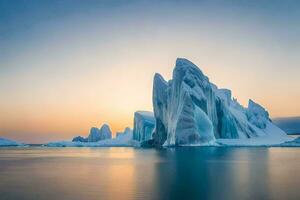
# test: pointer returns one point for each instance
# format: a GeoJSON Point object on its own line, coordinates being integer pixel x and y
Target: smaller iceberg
{"type": "Point", "coordinates": [125, 135]}
{"type": "Point", "coordinates": [96, 134]}
{"type": "Point", "coordinates": [99, 134]}
{"type": "Point", "coordinates": [144, 123]}
{"type": "Point", "coordinates": [79, 139]}
{"type": "Point", "coordinates": [123, 139]}
{"type": "Point", "coordinates": [6, 143]}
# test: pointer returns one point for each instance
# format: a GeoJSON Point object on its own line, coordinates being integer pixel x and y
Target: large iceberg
{"type": "Point", "coordinates": [190, 110]}
{"type": "Point", "coordinates": [144, 123]}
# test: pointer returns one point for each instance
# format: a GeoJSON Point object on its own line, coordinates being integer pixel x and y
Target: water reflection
{"type": "Point", "coordinates": [127, 173]}
{"type": "Point", "coordinates": [284, 177]}
{"type": "Point", "coordinates": [218, 173]}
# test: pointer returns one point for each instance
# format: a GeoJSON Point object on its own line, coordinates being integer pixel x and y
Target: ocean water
{"type": "Point", "coordinates": [128, 173]}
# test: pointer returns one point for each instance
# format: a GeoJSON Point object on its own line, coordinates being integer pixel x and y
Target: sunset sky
{"type": "Point", "coordinates": [66, 66]}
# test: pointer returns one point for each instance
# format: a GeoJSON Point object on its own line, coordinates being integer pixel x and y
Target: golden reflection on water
{"type": "Point", "coordinates": [123, 179]}
{"type": "Point", "coordinates": [120, 153]}
{"type": "Point", "coordinates": [281, 172]}
{"type": "Point", "coordinates": [120, 175]}
{"type": "Point", "coordinates": [88, 172]}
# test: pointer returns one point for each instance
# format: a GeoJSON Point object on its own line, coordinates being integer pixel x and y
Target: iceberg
{"type": "Point", "coordinates": [95, 135]}
{"type": "Point", "coordinates": [79, 139]}
{"type": "Point", "coordinates": [144, 123]}
{"type": "Point", "coordinates": [105, 132]}
{"type": "Point", "coordinates": [124, 139]}
{"type": "Point", "coordinates": [159, 100]}
{"type": "Point", "coordinates": [6, 142]}
{"type": "Point", "coordinates": [125, 135]}
{"type": "Point", "coordinates": [190, 110]}
{"type": "Point", "coordinates": [99, 134]}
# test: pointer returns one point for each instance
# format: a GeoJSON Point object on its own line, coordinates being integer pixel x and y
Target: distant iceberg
{"type": "Point", "coordinates": [79, 139]}
{"type": "Point", "coordinates": [125, 136]}
{"type": "Point", "coordinates": [6, 142]}
{"type": "Point", "coordinates": [124, 139]}
{"type": "Point", "coordinates": [100, 134]}
{"type": "Point", "coordinates": [96, 134]}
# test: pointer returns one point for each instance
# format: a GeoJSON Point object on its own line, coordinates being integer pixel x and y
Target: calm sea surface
{"type": "Point", "coordinates": [128, 173]}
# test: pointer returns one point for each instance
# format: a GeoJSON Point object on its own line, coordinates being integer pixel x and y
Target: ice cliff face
{"type": "Point", "coordinates": [144, 123]}
{"type": "Point", "coordinates": [190, 110]}
{"type": "Point", "coordinates": [99, 134]}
